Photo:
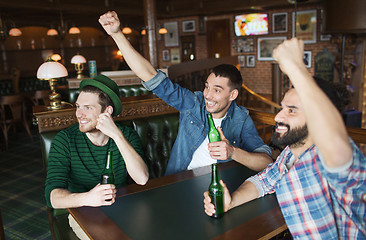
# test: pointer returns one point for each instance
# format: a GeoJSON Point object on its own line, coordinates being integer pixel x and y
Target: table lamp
{"type": "Point", "coordinates": [79, 61]}
{"type": "Point", "coordinates": [51, 71]}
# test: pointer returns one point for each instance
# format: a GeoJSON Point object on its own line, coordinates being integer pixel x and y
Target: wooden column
{"type": "Point", "coordinates": [150, 22]}
{"type": "Point", "coordinates": [276, 83]}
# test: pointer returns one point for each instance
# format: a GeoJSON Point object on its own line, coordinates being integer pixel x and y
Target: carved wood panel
{"type": "Point", "coordinates": [50, 120]}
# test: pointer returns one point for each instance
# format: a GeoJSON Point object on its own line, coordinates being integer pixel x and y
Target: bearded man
{"type": "Point", "coordinates": [320, 177]}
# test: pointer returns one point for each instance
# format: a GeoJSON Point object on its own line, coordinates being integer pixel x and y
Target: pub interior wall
{"type": "Point", "coordinates": [94, 44]}
{"type": "Point", "coordinates": [258, 78]}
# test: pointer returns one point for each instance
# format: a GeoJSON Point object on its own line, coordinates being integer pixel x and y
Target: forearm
{"type": "Point", "coordinates": [138, 64]}
{"type": "Point", "coordinates": [63, 198]}
{"type": "Point", "coordinates": [245, 193]}
{"type": "Point", "coordinates": [253, 160]}
{"type": "Point", "coordinates": [325, 124]}
{"type": "Point", "coordinates": [135, 165]}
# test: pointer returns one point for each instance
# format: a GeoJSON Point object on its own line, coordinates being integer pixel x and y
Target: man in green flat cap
{"type": "Point", "coordinates": [78, 153]}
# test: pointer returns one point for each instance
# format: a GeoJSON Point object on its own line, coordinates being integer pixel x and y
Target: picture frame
{"type": "Point", "coordinates": [189, 26]}
{"type": "Point", "coordinates": [166, 55]}
{"type": "Point", "coordinates": [305, 26]}
{"type": "Point", "coordinates": [171, 38]}
{"type": "Point", "coordinates": [175, 55]}
{"type": "Point", "coordinates": [245, 45]}
{"type": "Point", "coordinates": [307, 58]}
{"type": "Point", "coordinates": [265, 46]}
{"type": "Point", "coordinates": [241, 60]}
{"type": "Point", "coordinates": [279, 22]}
{"type": "Point", "coordinates": [325, 37]}
{"type": "Point", "coordinates": [250, 61]}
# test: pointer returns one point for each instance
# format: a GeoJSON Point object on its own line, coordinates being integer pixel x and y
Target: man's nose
{"type": "Point", "coordinates": [279, 116]}
{"type": "Point", "coordinates": [209, 94]}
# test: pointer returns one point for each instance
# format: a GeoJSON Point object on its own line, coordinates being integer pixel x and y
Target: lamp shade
{"type": "Point", "coordinates": [78, 59]}
{"type": "Point", "coordinates": [163, 31]}
{"type": "Point", "coordinates": [15, 32]}
{"type": "Point", "coordinates": [74, 30]}
{"type": "Point", "coordinates": [56, 57]}
{"type": "Point", "coordinates": [127, 30]}
{"type": "Point", "coordinates": [50, 70]}
{"type": "Point", "coordinates": [52, 32]}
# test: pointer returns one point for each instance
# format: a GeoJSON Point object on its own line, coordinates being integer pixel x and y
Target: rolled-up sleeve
{"type": "Point", "coordinates": [155, 81]}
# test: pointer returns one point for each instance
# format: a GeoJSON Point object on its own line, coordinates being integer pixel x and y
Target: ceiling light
{"type": "Point", "coordinates": [74, 30]}
{"type": "Point", "coordinates": [52, 32]}
{"type": "Point", "coordinates": [15, 32]}
{"type": "Point", "coordinates": [126, 30]}
{"type": "Point", "coordinates": [163, 31]}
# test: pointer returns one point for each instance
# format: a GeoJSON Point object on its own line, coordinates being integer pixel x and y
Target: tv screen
{"type": "Point", "coordinates": [251, 24]}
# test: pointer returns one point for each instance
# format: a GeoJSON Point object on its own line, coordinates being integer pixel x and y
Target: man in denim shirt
{"type": "Point", "coordinates": [240, 140]}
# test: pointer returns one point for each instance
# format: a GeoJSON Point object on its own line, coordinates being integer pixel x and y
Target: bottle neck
{"type": "Point", "coordinates": [215, 175]}
{"type": "Point", "coordinates": [109, 162]}
{"type": "Point", "coordinates": [210, 121]}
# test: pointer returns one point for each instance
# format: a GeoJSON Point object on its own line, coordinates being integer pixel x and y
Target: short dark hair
{"type": "Point", "coordinates": [336, 92]}
{"type": "Point", "coordinates": [231, 72]}
{"type": "Point", "coordinates": [104, 99]}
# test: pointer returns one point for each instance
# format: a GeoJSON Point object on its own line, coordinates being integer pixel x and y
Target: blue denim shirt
{"type": "Point", "coordinates": [237, 126]}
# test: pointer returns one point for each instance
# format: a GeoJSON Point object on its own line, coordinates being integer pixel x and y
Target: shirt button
{"type": "Point", "coordinates": [191, 122]}
{"type": "Point", "coordinates": [234, 142]}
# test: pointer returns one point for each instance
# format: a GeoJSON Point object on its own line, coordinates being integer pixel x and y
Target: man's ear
{"type": "Point", "coordinates": [234, 94]}
{"type": "Point", "coordinates": [109, 109]}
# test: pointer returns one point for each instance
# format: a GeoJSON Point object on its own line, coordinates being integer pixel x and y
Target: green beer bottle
{"type": "Point", "coordinates": [213, 133]}
{"type": "Point", "coordinates": [216, 192]}
{"type": "Point", "coordinates": [107, 176]}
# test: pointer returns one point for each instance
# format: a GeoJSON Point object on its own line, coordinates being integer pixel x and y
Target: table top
{"type": "Point", "coordinates": [171, 207]}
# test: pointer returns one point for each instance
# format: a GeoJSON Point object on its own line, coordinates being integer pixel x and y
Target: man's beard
{"type": "Point", "coordinates": [293, 138]}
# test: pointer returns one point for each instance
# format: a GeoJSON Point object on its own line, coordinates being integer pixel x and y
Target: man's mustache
{"type": "Point", "coordinates": [281, 124]}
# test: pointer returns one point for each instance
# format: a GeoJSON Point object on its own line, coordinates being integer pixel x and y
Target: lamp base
{"type": "Point", "coordinates": [80, 76]}
{"type": "Point", "coordinates": [60, 105]}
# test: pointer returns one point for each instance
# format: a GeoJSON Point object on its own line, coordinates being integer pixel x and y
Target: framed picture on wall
{"type": "Point", "coordinates": [166, 56]}
{"type": "Point", "coordinates": [305, 25]}
{"type": "Point", "coordinates": [307, 58]}
{"type": "Point", "coordinates": [171, 38]}
{"type": "Point", "coordinates": [175, 55]}
{"type": "Point", "coordinates": [189, 26]}
{"type": "Point", "coordinates": [266, 45]}
{"type": "Point", "coordinates": [250, 61]}
{"type": "Point", "coordinates": [279, 22]}
{"type": "Point", "coordinates": [245, 45]}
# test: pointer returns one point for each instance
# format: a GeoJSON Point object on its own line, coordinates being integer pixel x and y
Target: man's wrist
{"type": "Point", "coordinates": [235, 152]}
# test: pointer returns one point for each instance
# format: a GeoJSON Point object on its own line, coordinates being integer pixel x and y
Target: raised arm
{"type": "Point", "coordinates": [138, 64]}
{"type": "Point", "coordinates": [324, 121]}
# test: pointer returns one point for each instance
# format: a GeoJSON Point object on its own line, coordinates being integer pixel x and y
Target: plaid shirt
{"type": "Point", "coordinates": [318, 203]}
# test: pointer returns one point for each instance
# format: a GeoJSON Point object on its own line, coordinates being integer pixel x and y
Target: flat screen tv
{"type": "Point", "coordinates": [251, 24]}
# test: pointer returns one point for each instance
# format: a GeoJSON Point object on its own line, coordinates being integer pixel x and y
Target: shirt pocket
{"type": "Point", "coordinates": [191, 126]}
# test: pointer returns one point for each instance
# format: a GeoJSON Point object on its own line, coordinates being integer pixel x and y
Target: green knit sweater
{"type": "Point", "coordinates": [74, 163]}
